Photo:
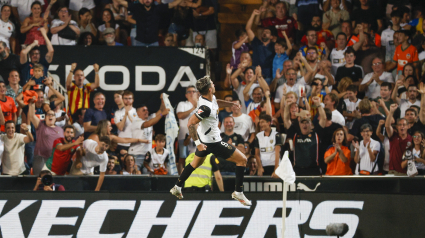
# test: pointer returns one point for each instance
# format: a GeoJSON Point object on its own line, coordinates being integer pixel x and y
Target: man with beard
{"type": "Point", "coordinates": [263, 50]}
{"type": "Point", "coordinates": [322, 53]}
{"type": "Point", "coordinates": [325, 36]}
{"type": "Point", "coordinates": [281, 22]}
{"type": "Point", "coordinates": [148, 17]}
{"type": "Point", "coordinates": [35, 58]}
{"type": "Point", "coordinates": [109, 37]}
{"type": "Point", "coordinates": [78, 92]}
{"type": "Point", "coordinates": [412, 94]}
{"type": "Point", "coordinates": [338, 53]}
{"type": "Point", "coordinates": [63, 149]}
{"type": "Point", "coordinates": [8, 61]}
{"type": "Point", "coordinates": [47, 132]}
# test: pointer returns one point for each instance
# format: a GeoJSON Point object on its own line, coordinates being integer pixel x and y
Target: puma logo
{"type": "Point", "coordinates": [301, 186]}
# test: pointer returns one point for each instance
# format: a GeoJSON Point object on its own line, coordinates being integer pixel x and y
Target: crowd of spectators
{"type": "Point", "coordinates": [339, 84]}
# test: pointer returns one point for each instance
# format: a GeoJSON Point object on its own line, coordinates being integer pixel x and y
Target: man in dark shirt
{"type": "Point", "coordinates": [204, 24]}
{"type": "Point", "coordinates": [371, 13]}
{"type": "Point", "coordinates": [420, 124]}
{"type": "Point", "coordinates": [7, 61]}
{"type": "Point", "coordinates": [370, 115]}
{"type": "Point", "coordinates": [229, 136]}
{"type": "Point", "coordinates": [354, 72]}
{"type": "Point", "coordinates": [94, 115]}
{"type": "Point", "coordinates": [263, 50]}
{"type": "Point", "coordinates": [147, 16]}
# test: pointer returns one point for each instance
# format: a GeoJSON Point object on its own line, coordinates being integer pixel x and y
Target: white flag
{"type": "Point", "coordinates": [171, 131]}
{"type": "Point", "coordinates": [285, 170]}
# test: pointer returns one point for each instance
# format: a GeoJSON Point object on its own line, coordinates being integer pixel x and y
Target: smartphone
{"type": "Point", "coordinates": [63, 114]}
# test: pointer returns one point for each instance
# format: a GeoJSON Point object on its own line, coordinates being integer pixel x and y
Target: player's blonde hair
{"type": "Point", "coordinates": [203, 84]}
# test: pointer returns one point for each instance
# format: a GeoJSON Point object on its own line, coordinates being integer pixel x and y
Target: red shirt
{"type": "Point", "coordinates": [8, 108]}
{"type": "Point", "coordinates": [322, 36]}
{"type": "Point", "coordinates": [397, 149]}
{"type": "Point", "coordinates": [58, 162]}
{"type": "Point", "coordinates": [287, 24]}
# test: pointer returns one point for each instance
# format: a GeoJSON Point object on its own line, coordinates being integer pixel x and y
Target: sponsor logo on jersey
{"type": "Point", "coordinates": [199, 111]}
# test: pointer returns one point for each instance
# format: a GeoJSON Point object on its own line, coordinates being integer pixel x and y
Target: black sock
{"type": "Point", "coordinates": [186, 173]}
{"type": "Point", "coordinates": [240, 170]}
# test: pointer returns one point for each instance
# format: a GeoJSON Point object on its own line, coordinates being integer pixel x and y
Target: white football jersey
{"type": "Point", "coordinates": [337, 59]}
{"type": "Point", "coordinates": [207, 112]}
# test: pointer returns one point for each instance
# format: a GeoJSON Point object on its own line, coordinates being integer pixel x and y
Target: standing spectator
{"type": "Point", "coordinates": [129, 166]}
{"type": "Point", "coordinates": [404, 53]}
{"type": "Point", "coordinates": [355, 72]}
{"type": "Point", "coordinates": [347, 29]}
{"type": "Point", "coordinates": [412, 95]}
{"type": "Point", "coordinates": [63, 150]}
{"type": "Point", "coordinates": [184, 110]}
{"type": "Point", "coordinates": [385, 95]}
{"type": "Point", "coordinates": [227, 111]}
{"type": "Point", "coordinates": [108, 21]}
{"type": "Point", "coordinates": [306, 144]}
{"type": "Point", "coordinates": [243, 123]}
{"type": "Point", "coordinates": [374, 37]}
{"type": "Point", "coordinates": [32, 24]}
{"type": "Point", "coordinates": [124, 117]}
{"type": "Point", "coordinates": [8, 61]}
{"type": "Point", "coordinates": [35, 58]}
{"type": "Point", "coordinates": [85, 21]}
{"type": "Point", "coordinates": [239, 46]}
{"type": "Point", "coordinates": [181, 21]}
{"type": "Point", "coordinates": [267, 145]}
{"type": "Point", "coordinates": [23, 8]}
{"type": "Point", "coordinates": [78, 119]}
{"type": "Point", "coordinates": [282, 22]}
{"type": "Point", "coordinates": [398, 142]}
{"type": "Point", "coordinates": [156, 159]}
{"type": "Point", "coordinates": [332, 19]}
{"type": "Point", "coordinates": [263, 50]}
{"type": "Point", "coordinates": [352, 105]}
{"type": "Point", "coordinates": [255, 96]}
{"type": "Point", "coordinates": [13, 90]}
{"type": "Point", "coordinates": [366, 156]}
{"type": "Point", "coordinates": [94, 115]}
{"type": "Point", "coordinates": [204, 23]}
{"type": "Point", "coordinates": [372, 82]}
{"type": "Point", "coordinates": [77, 5]}
{"type": "Point", "coordinates": [322, 50]}
{"type": "Point", "coordinates": [278, 81]}
{"type": "Point", "coordinates": [109, 37]}
{"type": "Point", "coordinates": [387, 35]}
{"type": "Point", "coordinates": [65, 31]}
{"type": "Point", "coordinates": [337, 55]}
{"type": "Point", "coordinates": [7, 107]}
{"type": "Point", "coordinates": [306, 9]}
{"type": "Point", "coordinates": [147, 16]}
{"type": "Point", "coordinates": [229, 134]}
{"type": "Point", "coordinates": [289, 86]}
{"type": "Point", "coordinates": [13, 154]}
{"type": "Point", "coordinates": [370, 13]}
{"type": "Point", "coordinates": [142, 129]}
{"type": "Point", "coordinates": [338, 157]}
{"type": "Point", "coordinates": [93, 154]}
{"type": "Point", "coordinates": [323, 35]}
{"type": "Point", "coordinates": [8, 32]}
{"type": "Point", "coordinates": [47, 132]}
{"type": "Point", "coordinates": [78, 92]}
{"type": "Point", "coordinates": [283, 50]}
{"type": "Point", "coordinates": [331, 101]}
{"type": "Point", "coordinates": [239, 87]}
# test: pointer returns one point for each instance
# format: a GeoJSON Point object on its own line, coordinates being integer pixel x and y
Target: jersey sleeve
{"type": "Point", "coordinates": [57, 142]}
{"type": "Point", "coordinates": [213, 163]}
{"type": "Point", "coordinates": [278, 139]}
{"type": "Point", "coordinates": [203, 112]}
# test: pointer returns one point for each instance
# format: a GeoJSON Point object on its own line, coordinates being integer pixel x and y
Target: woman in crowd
{"type": "Point", "coordinates": [64, 30]}
{"type": "Point", "coordinates": [85, 21]}
{"type": "Point", "coordinates": [87, 39]}
{"type": "Point", "coordinates": [341, 89]}
{"type": "Point", "coordinates": [338, 157]}
{"type": "Point", "coordinates": [108, 21]}
{"type": "Point", "coordinates": [32, 24]}
{"type": "Point", "coordinates": [366, 152]}
{"type": "Point", "coordinates": [418, 152]}
{"type": "Point", "coordinates": [129, 167]}
{"type": "Point", "coordinates": [7, 36]}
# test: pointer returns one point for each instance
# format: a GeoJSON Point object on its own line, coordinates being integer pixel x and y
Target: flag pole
{"type": "Point", "coordinates": [284, 209]}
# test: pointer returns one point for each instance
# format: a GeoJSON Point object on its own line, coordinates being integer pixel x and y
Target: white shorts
{"type": "Point", "coordinates": [76, 5]}
{"type": "Point", "coordinates": [210, 38]}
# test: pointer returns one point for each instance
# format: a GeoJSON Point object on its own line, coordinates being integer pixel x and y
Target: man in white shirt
{"type": "Point", "coordinates": [291, 86]}
{"type": "Point", "coordinates": [387, 35]}
{"type": "Point", "coordinates": [239, 87]}
{"type": "Point", "coordinates": [366, 152]}
{"type": "Point", "coordinates": [331, 101]}
{"type": "Point", "coordinates": [123, 119]}
{"type": "Point", "coordinates": [371, 83]}
{"type": "Point", "coordinates": [412, 94]}
{"type": "Point", "coordinates": [92, 155]}
{"type": "Point", "coordinates": [22, 8]}
{"type": "Point", "coordinates": [141, 128]}
{"type": "Point", "coordinates": [185, 109]}
{"type": "Point", "coordinates": [243, 123]}
{"type": "Point", "coordinates": [352, 104]}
